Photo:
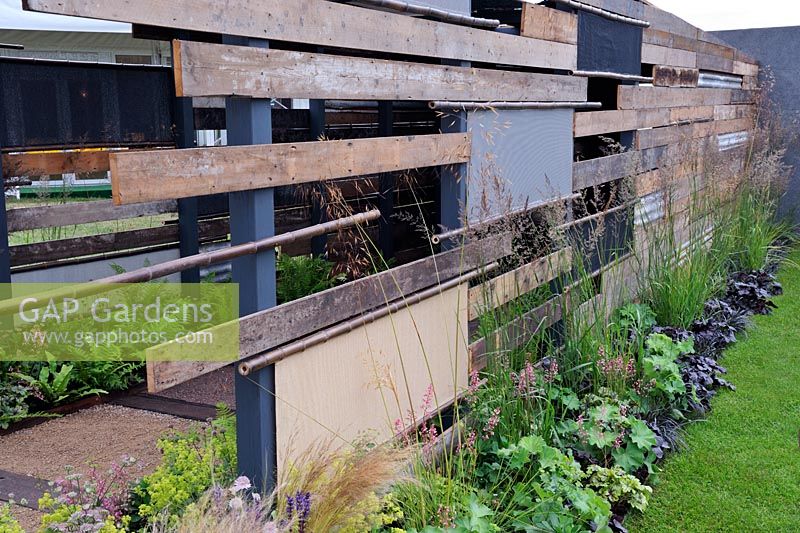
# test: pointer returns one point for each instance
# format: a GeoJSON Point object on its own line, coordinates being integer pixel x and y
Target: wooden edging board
{"type": "Point", "coordinates": [168, 174]}
{"type": "Point", "coordinates": [203, 69]}
{"type": "Point", "coordinates": [51, 216]}
{"type": "Point", "coordinates": [328, 24]}
{"type": "Point", "coordinates": [541, 22]}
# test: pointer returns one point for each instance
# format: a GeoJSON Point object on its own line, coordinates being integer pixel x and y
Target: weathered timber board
{"type": "Point", "coordinates": [594, 172]}
{"type": "Point", "coordinates": [506, 287]}
{"type": "Point", "coordinates": [664, 76]}
{"type": "Point", "coordinates": [630, 97]}
{"type": "Point", "coordinates": [674, 57]}
{"type": "Point", "coordinates": [549, 24]}
{"type": "Point", "coordinates": [51, 216]}
{"type": "Point", "coordinates": [26, 254]}
{"type": "Point", "coordinates": [203, 69]}
{"type": "Point", "coordinates": [598, 122]}
{"type": "Point", "coordinates": [267, 329]}
{"type": "Point", "coordinates": [323, 23]}
{"type": "Point", "coordinates": [43, 164]}
{"type": "Point", "coordinates": [147, 176]}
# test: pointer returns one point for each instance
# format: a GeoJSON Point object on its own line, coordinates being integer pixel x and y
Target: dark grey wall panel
{"type": "Point", "coordinates": [59, 104]}
{"type": "Point", "coordinates": [608, 46]}
{"type": "Point", "coordinates": [776, 50]}
{"type": "Point", "coordinates": [519, 158]}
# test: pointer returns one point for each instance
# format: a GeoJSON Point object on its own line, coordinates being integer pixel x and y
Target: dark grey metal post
{"type": "Point", "coordinates": [253, 218]}
{"type": "Point", "coordinates": [388, 183]}
{"type": "Point", "coordinates": [188, 228]}
{"type": "Point", "coordinates": [5, 252]}
{"type": "Point", "coordinates": [317, 112]}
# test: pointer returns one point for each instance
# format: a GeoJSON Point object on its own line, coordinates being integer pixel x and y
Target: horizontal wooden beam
{"type": "Point", "coordinates": [44, 164]}
{"type": "Point", "coordinates": [328, 24]}
{"type": "Point", "coordinates": [674, 57]}
{"type": "Point", "coordinates": [631, 97]}
{"type": "Point", "coordinates": [594, 172]}
{"type": "Point", "coordinates": [664, 76]}
{"type": "Point", "coordinates": [665, 21]}
{"type": "Point", "coordinates": [541, 22]}
{"type": "Point", "coordinates": [51, 216]}
{"type": "Point", "coordinates": [506, 287]}
{"type": "Point", "coordinates": [599, 122]}
{"type": "Point", "coordinates": [203, 69]}
{"type": "Point", "coordinates": [148, 176]}
{"type": "Point", "coordinates": [674, 134]}
{"type": "Point", "coordinates": [273, 327]}
{"type": "Point", "coordinates": [42, 252]}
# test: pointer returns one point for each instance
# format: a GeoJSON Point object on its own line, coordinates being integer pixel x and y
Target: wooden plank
{"type": "Point", "coordinates": [273, 327]}
{"type": "Point", "coordinates": [51, 216]}
{"type": "Point", "coordinates": [599, 122]}
{"type": "Point", "coordinates": [740, 96]}
{"type": "Point", "coordinates": [665, 21]}
{"type": "Point", "coordinates": [147, 176]}
{"type": "Point", "coordinates": [40, 252]}
{"type": "Point", "coordinates": [674, 134]}
{"type": "Point", "coordinates": [328, 24]}
{"type": "Point", "coordinates": [540, 22]}
{"type": "Point", "coordinates": [674, 57]}
{"type": "Point", "coordinates": [714, 63]}
{"type": "Point", "coordinates": [502, 289]}
{"type": "Point", "coordinates": [745, 69]}
{"type": "Point", "coordinates": [516, 333]}
{"type": "Point", "coordinates": [664, 76]}
{"type": "Point", "coordinates": [203, 69]}
{"type": "Point", "coordinates": [594, 172]}
{"type": "Point", "coordinates": [732, 112]}
{"type": "Point", "coordinates": [43, 164]}
{"type": "Point", "coordinates": [658, 37]}
{"type": "Point", "coordinates": [363, 381]}
{"type": "Point", "coordinates": [632, 97]}
{"type": "Point", "coordinates": [691, 114]}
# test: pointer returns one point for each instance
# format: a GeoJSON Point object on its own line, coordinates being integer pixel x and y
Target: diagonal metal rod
{"type": "Point", "coordinates": [270, 358]}
{"type": "Point", "coordinates": [204, 259]}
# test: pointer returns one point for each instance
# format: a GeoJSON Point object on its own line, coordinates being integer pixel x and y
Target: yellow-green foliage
{"type": "Point", "coordinates": [373, 514]}
{"type": "Point", "coordinates": [615, 485]}
{"type": "Point", "coordinates": [60, 514]}
{"type": "Point", "coordinates": [192, 462]}
{"type": "Point", "coordinates": [7, 522]}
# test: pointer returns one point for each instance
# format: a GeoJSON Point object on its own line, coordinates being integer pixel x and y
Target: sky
{"type": "Point", "coordinates": [707, 14]}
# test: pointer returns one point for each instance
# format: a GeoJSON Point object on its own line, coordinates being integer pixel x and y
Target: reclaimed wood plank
{"type": "Point", "coordinates": [147, 176]}
{"type": "Point", "coordinates": [732, 112]}
{"type": "Point", "coordinates": [506, 287]}
{"type": "Point", "coordinates": [51, 216]}
{"type": "Point", "coordinates": [204, 69]}
{"type": "Point", "coordinates": [599, 122]}
{"type": "Point", "coordinates": [41, 252]}
{"type": "Point", "coordinates": [674, 57]}
{"type": "Point", "coordinates": [665, 21]}
{"type": "Point", "coordinates": [741, 68]}
{"type": "Point", "coordinates": [665, 76]}
{"type": "Point", "coordinates": [541, 22]}
{"type": "Point", "coordinates": [714, 63]}
{"type": "Point", "coordinates": [272, 327]}
{"type": "Point", "coordinates": [43, 164]}
{"type": "Point", "coordinates": [631, 97]}
{"type": "Point", "coordinates": [691, 114]}
{"type": "Point", "coordinates": [328, 24]}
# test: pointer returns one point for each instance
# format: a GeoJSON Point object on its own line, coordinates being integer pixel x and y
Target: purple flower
{"type": "Point", "coordinates": [299, 504]}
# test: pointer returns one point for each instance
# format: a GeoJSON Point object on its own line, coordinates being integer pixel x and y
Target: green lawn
{"type": "Point", "coordinates": [741, 471]}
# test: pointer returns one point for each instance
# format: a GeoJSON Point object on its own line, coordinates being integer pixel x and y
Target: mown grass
{"type": "Point", "coordinates": [741, 471]}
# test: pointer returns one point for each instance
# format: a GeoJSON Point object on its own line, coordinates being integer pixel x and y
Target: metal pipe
{"type": "Point", "coordinates": [603, 13]}
{"type": "Point", "coordinates": [436, 239]}
{"type": "Point", "coordinates": [471, 106]}
{"type": "Point", "coordinates": [270, 358]}
{"type": "Point", "coordinates": [425, 11]}
{"type": "Point", "coordinates": [7, 46]}
{"type": "Point", "coordinates": [199, 260]}
{"type": "Point", "coordinates": [612, 75]}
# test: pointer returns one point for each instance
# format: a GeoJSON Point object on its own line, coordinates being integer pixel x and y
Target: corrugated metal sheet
{"type": "Point", "coordinates": [519, 158]}
{"type": "Point", "coordinates": [729, 141]}
{"type": "Point", "coordinates": [719, 81]}
{"type": "Point", "coordinates": [650, 208]}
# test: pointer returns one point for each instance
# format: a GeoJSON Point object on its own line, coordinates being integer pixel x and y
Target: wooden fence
{"type": "Point", "coordinates": [533, 103]}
